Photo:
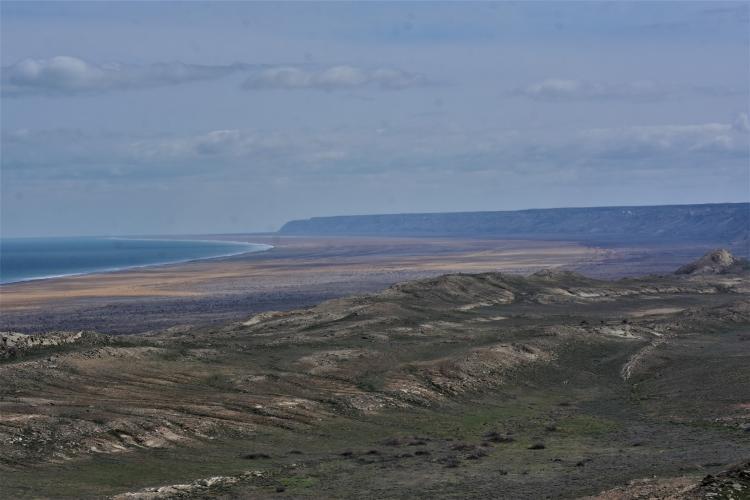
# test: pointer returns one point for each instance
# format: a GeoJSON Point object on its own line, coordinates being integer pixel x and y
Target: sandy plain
{"type": "Point", "coordinates": [296, 272]}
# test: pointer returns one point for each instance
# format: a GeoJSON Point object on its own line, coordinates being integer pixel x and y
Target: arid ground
{"type": "Point", "coordinates": [490, 385]}
{"type": "Point", "coordinates": [297, 272]}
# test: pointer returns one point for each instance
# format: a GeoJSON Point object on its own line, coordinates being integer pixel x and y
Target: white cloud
{"type": "Point", "coordinates": [70, 75]}
{"type": "Point", "coordinates": [644, 141]}
{"type": "Point", "coordinates": [334, 77]}
{"type": "Point", "coordinates": [217, 143]}
{"type": "Point", "coordinates": [560, 89]}
{"type": "Point", "coordinates": [239, 153]}
{"type": "Point", "coordinates": [66, 75]}
{"type": "Point", "coordinates": [557, 89]}
{"type": "Point", "coordinates": [741, 123]}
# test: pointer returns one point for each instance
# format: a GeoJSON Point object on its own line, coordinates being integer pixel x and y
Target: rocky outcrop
{"type": "Point", "coordinates": [731, 484]}
{"type": "Point", "coordinates": [16, 345]}
{"type": "Point", "coordinates": [719, 261]}
{"type": "Point", "coordinates": [198, 488]}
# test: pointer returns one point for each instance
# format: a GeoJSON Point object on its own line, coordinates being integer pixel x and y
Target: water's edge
{"type": "Point", "coordinates": [249, 248]}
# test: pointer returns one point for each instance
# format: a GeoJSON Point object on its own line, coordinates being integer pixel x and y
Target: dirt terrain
{"type": "Point", "coordinates": [490, 385]}
{"type": "Point", "coordinates": [297, 272]}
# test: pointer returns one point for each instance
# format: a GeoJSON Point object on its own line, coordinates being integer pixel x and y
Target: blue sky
{"type": "Point", "coordinates": [167, 118]}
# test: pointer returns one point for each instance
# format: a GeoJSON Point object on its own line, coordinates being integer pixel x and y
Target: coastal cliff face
{"type": "Point", "coordinates": [725, 223]}
{"type": "Point", "coordinates": [460, 385]}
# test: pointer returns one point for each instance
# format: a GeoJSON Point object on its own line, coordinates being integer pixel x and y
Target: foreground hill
{"type": "Point", "coordinates": [483, 386]}
{"type": "Point", "coordinates": [720, 223]}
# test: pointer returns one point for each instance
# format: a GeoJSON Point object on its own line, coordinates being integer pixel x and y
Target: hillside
{"type": "Point", "coordinates": [457, 386]}
{"type": "Point", "coordinates": [720, 223]}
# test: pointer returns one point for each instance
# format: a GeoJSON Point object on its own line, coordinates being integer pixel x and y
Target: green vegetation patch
{"type": "Point", "coordinates": [299, 482]}
{"type": "Point", "coordinates": [587, 425]}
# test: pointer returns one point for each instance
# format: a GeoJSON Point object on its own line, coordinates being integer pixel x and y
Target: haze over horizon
{"type": "Point", "coordinates": [190, 118]}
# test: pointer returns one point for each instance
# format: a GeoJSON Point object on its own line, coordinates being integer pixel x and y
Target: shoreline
{"type": "Point", "coordinates": [257, 247]}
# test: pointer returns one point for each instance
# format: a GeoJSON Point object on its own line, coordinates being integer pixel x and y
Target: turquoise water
{"type": "Point", "coordinates": [24, 259]}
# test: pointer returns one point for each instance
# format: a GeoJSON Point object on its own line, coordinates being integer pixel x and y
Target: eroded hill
{"type": "Point", "coordinates": [486, 385]}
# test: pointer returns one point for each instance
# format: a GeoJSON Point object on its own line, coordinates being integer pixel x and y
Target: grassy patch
{"type": "Point", "coordinates": [299, 482]}
{"type": "Point", "coordinates": [587, 425]}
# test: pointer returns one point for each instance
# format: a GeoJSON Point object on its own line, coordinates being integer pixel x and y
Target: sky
{"type": "Point", "coordinates": [197, 118]}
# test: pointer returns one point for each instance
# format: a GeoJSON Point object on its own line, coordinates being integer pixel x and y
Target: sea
{"type": "Point", "coordinates": [23, 259]}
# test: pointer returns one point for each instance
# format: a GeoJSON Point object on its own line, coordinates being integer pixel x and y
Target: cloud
{"type": "Point", "coordinates": [64, 75]}
{"type": "Point", "coordinates": [741, 123]}
{"type": "Point", "coordinates": [221, 144]}
{"type": "Point", "coordinates": [669, 140]}
{"type": "Point", "coordinates": [556, 89]}
{"type": "Point", "coordinates": [244, 154]}
{"type": "Point", "coordinates": [559, 89]}
{"type": "Point", "coordinates": [331, 78]}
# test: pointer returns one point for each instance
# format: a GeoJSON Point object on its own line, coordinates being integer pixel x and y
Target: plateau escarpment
{"type": "Point", "coordinates": [459, 385]}
{"type": "Point", "coordinates": [719, 223]}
